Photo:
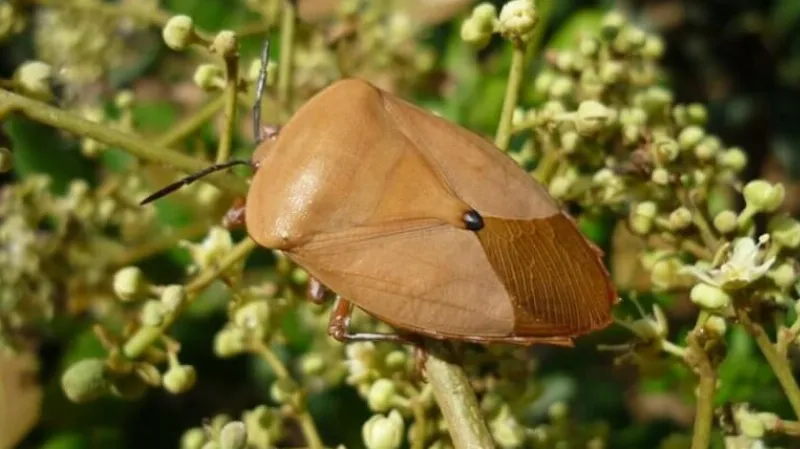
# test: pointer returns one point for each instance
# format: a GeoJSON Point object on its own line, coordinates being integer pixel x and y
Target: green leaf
{"type": "Point", "coordinates": [38, 149]}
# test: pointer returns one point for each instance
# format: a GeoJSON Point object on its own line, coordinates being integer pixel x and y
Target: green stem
{"type": "Point", "coordinates": [140, 341]}
{"type": "Point", "coordinates": [304, 418]}
{"type": "Point", "coordinates": [456, 400]}
{"type": "Point", "coordinates": [192, 123]}
{"type": "Point", "coordinates": [780, 366]}
{"type": "Point", "coordinates": [230, 96]}
{"type": "Point", "coordinates": [159, 244]}
{"type": "Point", "coordinates": [288, 21]}
{"type": "Point", "coordinates": [131, 143]}
{"type": "Point", "coordinates": [697, 358]}
{"type": "Point", "coordinates": [515, 76]}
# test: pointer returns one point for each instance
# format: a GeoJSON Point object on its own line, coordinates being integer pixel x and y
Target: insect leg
{"type": "Point", "coordinates": [339, 326]}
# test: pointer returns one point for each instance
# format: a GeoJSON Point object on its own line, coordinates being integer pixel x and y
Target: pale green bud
{"type": "Point", "coordinates": [33, 78]}
{"type": "Point", "coordinates": [179, 378]}
{"type": "Point", "coordinates": [85, 380]}
{"type": "Point", "coordinates": [179, 32]}
{"type": "Point", "coordinates": [381, 395]}
{"type": "Point", "coordinates": [561, 87]}
{"type": "Point", "coordinates": [208, 76]}
{"type": "Point", "coordinates": [283, 390]}
{"type": "Point", "coordinates": [173, 297]}
{"type": "Point", "coordinates": [397, 360]}
{"type": "Point", "coordinates": [762, 196]}
{"type": "Point", "coordinates": [591, 117]}
{"type": "Point", "coordinates": [506, 431]}
{"type": "Point", "coordinates": [660, 176]}
{"type": "Point", "coordinates": [665, 273]}
{"type": "Point", "coordinates": [725, 221]}
{"type": "Point", "coordinates": [517, 19]}
{"type": "Point", "coordinates": [230, 341]}
{"type": "Point", "coordinates": [697, 114]}
{"type": "Point", "coordinates": [612, 72]}
{"type": "Point", "coordinates": [716, 326]}
{"type": "Point", "coordinates": [152, 313]}
{"type": "Point", "coordinates": [543, 81]}
{"type": "Point", "coordinates": [225, 44]}
{"type": "Point", "coordinates": [473, 34]}
{"type": "Point", "coordinates": [653, 47]}
{"type": "Point", "coordinates": [253, 316]}
{"type": "Point", "coordinates": [709, 297]}
{"type": "Point", "coordinates": [486, 14]}
{"type": "Point", "coordinates": [570, 141]}
{"type": "Point", "coordinates": [680, 219]}
{"type": "Point", "coordinates": [193, 438]}
{"type": "Point", "coordinates": [384, 432]}
{"type": "Point", "coordinates": [129, 284]}
{"type": "Point", "coordinates": [690, 136]}
{"type": "Point", "coordinates": [312, 364]}
{"type": "Point", "coordinates": [666, 150]}
{"type": "Point", "coordinates": [588, 47]}
{"type": "Point", "coordinates": [784, 275]}
{"type": "Point", "coordinates": [233, 436]}
{"type": "Point", "coordinates": [750, 425]}
{"type": "Point", "coordinates": [642, 217]}
{"type": "Point", "coordinates": [733, 159]}
{"type": "Point", "coordinates": [784, 231]}
{"type": "Point", "coordinates": [612, 24]}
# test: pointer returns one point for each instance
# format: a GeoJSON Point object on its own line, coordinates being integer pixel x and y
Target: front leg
{"type": "Point", "coordinates": [339, 326]}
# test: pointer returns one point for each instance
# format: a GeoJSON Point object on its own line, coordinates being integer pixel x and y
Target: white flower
{"type": "Point", "coordinates": [745, 265]}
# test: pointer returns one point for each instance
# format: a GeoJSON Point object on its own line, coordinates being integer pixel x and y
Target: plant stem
{"type": "Point", "coordinates": [230, 96]}
{"type": "Point", "coordinates": [304, 418]}
{"type": "Point", "coordinates": [131, 143]}
{"type": "Point", "coordinates": [457, 401]}
{"type": "Point", "coordinates": [140, 341]}
{"type": "Point", "coordinates": [288, 20]}
{"type": "Point", "coordinates": [129, 10]}
{"type": "Point", "coordinates": [707, 385]}
{"type": "Point", "coordinates": [515, 76]}
{"type": "Point", "coordinates": [191, 123]}
{"type": "Point", "coordinates": [780, 366]}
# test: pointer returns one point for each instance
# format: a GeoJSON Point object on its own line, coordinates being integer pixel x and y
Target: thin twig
{"type": "Point", "coordinates": [515, 76]}
{"type": "Point", "coordinates": [457, 401]}
{"type": "Point", "coordinates": [126, 141]}
{"type": "Point", "coordinates": [780, 366]}
{"type": "Point", "coordinates": [707, 385]}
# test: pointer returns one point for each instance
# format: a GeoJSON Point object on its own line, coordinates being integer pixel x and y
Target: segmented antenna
{"type": "Point", "coordinates": [192, 178]}
{"type": "Point", "coordinates": [262, 81]}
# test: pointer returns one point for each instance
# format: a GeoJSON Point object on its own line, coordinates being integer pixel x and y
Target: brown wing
{"type": "Point", "coordinates": [421, 276]}
{"type": "Point", "coordinates": [556, 282]}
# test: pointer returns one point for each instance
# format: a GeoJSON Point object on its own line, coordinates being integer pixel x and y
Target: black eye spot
{"type": "Point", "coordinates": [473, 220]}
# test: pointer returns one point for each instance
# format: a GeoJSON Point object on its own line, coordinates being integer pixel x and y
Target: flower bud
{"type": "Point", "coordinates": [750, 425]}
{"type": "Point", "coordinates": [381, 395]}
{"type": "Point", "coordinates": [173, 297]}
{"type": "Point", "coordinates": [193, 438]}
{"type": "Point", "coordinates": [697, 114]}
{"type": "Point", "coordinates": [179, 32]}
{"type": "Point", "coordinates": [506, 430]}
{"type": "Point", "coordinates": [665, 273]}
{"type": "Point", "coordinates": [612, 24]}
{"type": "Point", "coordinates": [129, 284]}
{"type": "Point", "coordinates": [561, 184]}
{"type": "Point", "coordinates": [517, 19]}
{"type": "Point", "coordinates": [485, 13]}
{"type": "Point", "coordinates": [690, 136]}
{"type": "Point", "coordinates": [783, 275]}
{"type": "Point", "coordinates": [152, 313]}
{"type": "Point", "coordinates": [229, 342]}
{"type": "Point", "coordinates": [642, 217]}
{"type": "Point", "coordinates": [384, 432]}
{"type": "Point", "coordinates": [85, 381]}
{"type": "Point", "coordinates": [130, 386]}
{"type": "Point", "coordinates": [762, 196]}
{"type": "Point", "coordinates": [611, 72]}
{"type": "Point", "coordinates": [680, 219]}
{"type": "Point", "coordinates": [253, 317]}
{"type": "Point", "coordinates": [570, 141]}
{"type": "Point", "coordinates": [725, 221]}
{"type": "Point", "coordinates": [208, 76]}
{"type": "Point", "coordinates": [653, 47]}
{"type": "Point", "coordinates": [33, 78]}
{"type": "Point", "coordinates": [665, 150]}
{"type": "Point", "coordinates": [543, 81]}
{"type": "Point", "coordinates": [282, 390]}
{"type": "Point", "coordinates": [561, 87]}
{"type": "Point", "coordinates": [6, 160]}
{"type": "Point", "coordinates": [233, 436]}
{"type": "Point", "coordinates": [211, 445]}
{"type": "Point", "coordinates": [733, 159]}
{"type": "Point", "coordinates": [716, 326]}
{"type": "Point", "coordinates": [660, 176]}
{"type": "Point", "coordinates": [656, 99]}
{"type": "Point", "coordinates": [588, 47]}
{"type": "Point", "coordinates": [225, 44]}
{"type": "Point", "coordinates": [591, 117]}
{"type": "Point", "coordinates": [179, 378]}
{"type": "Point", "coordinates": [312, 364]}
{"type": "Point", "coordinates": [784, 231]}
{"type": "Point", "coordinates": [397, 360]}
{"type": "Point", "coordinates": [709, 297]}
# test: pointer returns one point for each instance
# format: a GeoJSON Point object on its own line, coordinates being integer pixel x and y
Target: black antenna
{"type": "Point", "coordinates": [262, 81]}
{"type": "Point", "coordinates": [192, 178]}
